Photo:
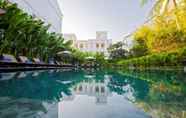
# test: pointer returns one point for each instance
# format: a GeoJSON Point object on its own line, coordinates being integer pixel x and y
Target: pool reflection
{"type": "Point", "coordinates": [93, 94]}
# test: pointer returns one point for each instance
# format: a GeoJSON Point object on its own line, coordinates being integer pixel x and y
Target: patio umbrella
{"type": "Point", "coordinates": [64, 53]}
{"type": "Point", "coordinates": [66, 56]}
{"type": "Point", "coordinates": [106, 58]}
{"type": "Point", "coordinates": [90, 58]}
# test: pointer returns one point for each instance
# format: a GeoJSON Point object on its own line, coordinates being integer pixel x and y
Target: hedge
{"type": "Point", "coordinates": [177, 58]}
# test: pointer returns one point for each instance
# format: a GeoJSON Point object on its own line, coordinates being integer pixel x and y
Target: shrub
{"type": "Point", "coordinates": [159, 59]}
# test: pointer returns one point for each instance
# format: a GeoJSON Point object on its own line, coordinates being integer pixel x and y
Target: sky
{"type": "Point", "coordinates": [117, 17]}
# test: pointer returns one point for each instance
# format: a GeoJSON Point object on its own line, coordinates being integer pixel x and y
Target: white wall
{"type": "Point", "coordinates": [47, 10]}
{"type": "Point", "coordinates": [91, 45]}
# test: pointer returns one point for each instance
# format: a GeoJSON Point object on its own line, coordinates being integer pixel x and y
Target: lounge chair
{"type": "Point", "coordinates": [57, 62]}
{"type": "Point", "coordinates": [51, 61]}
{"type": "Point", "coordinates": [61, 63]}
{"type": "Point", "coordinates": [24, 59]}
{"type": "Point", "coordinates": [36, 60]}
{"type": "Point", "coordinates": [10, 63]}
{"type": "Point", "coordinates": [8, 58]}
{"type": "Point", "coordinates": [39, 62]}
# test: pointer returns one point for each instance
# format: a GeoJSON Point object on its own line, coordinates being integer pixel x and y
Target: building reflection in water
{"type": "Point", "coordinates": [51, 94]}
{"type": "Point", "coordinates": [89, 87]}
{"type": "Point", "coordinates": [92, 88]}
{"type": "Point", "coordinates": [99, 90]}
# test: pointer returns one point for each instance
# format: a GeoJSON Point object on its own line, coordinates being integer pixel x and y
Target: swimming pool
{"type": "Point", "coordinates": [92, 94]}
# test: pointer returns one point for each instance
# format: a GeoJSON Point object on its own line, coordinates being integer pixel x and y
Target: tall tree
{"type": "Point", "coordinates": [164, 7]}
{"type": "Point", "coordinates": [22, 34]}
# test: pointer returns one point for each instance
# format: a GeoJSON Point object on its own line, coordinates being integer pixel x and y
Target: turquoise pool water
{"type": "Point", "coordinates": [93, 94]}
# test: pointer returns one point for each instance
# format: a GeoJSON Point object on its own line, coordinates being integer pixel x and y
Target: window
{"type": "Point", "coordinates": [80, 88]}
{"type": "Point", "coordinates": [102, 90]}
{"type": "Point", "coordinates": [97, 45]}
{"type": "Point", "coordinates": [86, 45]}
{"type": "Point", "coordinates": [102, 45]}
{"type": "Point", "coordinates": [81, 45]}
{"type": "Point", "coordinates": [97, 89]}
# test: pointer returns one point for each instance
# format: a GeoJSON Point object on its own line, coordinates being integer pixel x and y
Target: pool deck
{"type": "Point", "coordinates": [11, 67]}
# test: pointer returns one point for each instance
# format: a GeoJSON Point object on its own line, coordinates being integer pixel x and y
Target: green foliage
{"type": "Point", "coordinates": [116, 51]}
{"type": "Point", "coordinates": [159, 59]}
{"type": "Point", "coordinates": [167, 30]}
{"type": "Point", "coordinates": [143, 2]}
{"type": "Point", "coordinates": [100, 58]}
{"type": "Point", "coordinates": [22, 34]}
{"type": "Point", "coordinates": [79, 56]}
{"type": "Point", "coordinates": [139, 49]}
{"type": "Point", "coordinates": [163, 38]}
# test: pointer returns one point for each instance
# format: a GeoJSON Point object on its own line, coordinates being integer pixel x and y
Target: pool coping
{"type": "Point", "coordinates": [15, 69]}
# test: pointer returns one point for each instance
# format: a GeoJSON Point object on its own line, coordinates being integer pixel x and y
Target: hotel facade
{"type": "Point", "coordinates": [46, 10]}
{"type": "Point", "coordinates": [98, 45]}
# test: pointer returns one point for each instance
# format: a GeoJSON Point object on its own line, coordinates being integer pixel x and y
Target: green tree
{"type": "Point", "coordinates": [116, 51]}
{"type": "Point", "coordinates": [139, 49]}
{"type": "Point", "coordinates": [22, 34]}
{"type": "Point", "coordinates": [100, 58]}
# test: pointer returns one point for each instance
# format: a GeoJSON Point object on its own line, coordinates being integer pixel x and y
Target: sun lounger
{"type": "Point", "coordinates": [57, 63]}
{"type": "Point", "coordinates": [51, 61]}
{"type": "Point", "coordinates": [8, 58]}
{"type": "Point", "coordinates": [36, 60]}
{"type": "Point", "coordinates": [10, 63]}
{"type": "Point", "coordinates": [24, 59]}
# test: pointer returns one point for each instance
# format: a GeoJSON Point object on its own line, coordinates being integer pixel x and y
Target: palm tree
{"type": "Point", "coordinates": [162, 7]}
{"type": "Point", "coordinates": [22, 34]}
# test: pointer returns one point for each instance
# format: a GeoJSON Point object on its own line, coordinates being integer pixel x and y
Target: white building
{"type": "Point", "coordinates": [99, 44]}
{"type": "Point", "coordinates": [128, 42]}
{"type": "Point", "coordinates": [99, 90]}
{"type": "Point", "coordinates": [92, 88]}
{"type": "Point", "coordinates": [47, 10]}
